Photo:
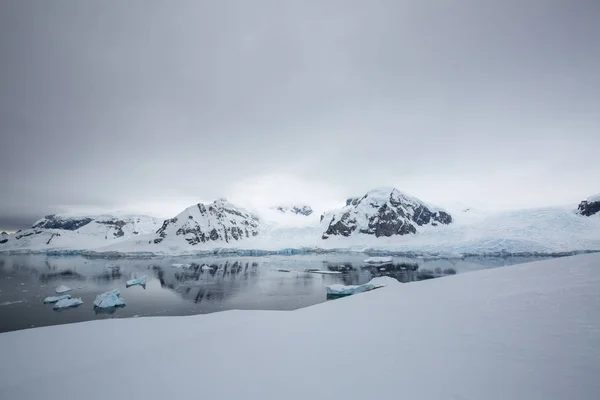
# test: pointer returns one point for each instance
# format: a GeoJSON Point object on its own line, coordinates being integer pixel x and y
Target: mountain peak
{"type": "Point", "coordinates": [384, 211]}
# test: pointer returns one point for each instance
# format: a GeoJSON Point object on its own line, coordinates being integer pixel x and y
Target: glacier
{"type": "Point", "coordinates": [541, 231]}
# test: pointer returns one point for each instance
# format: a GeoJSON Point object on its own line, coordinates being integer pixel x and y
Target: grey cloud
{"type": "Point", "coordinates": [111, 103]}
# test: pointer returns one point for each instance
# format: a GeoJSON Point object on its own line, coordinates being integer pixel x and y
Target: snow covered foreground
{"type": "Point", "coordinates": [530, 331]}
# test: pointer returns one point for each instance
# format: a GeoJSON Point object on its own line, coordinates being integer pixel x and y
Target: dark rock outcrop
{"type": "Point", "coordinates": [589, 208]}
{"type": "Point", "coordinates": [67, 224]}
{"type": "Point", "coordinates": [383, 212]}
{"type": "Point", "coordinates": [352, 201]}
{"type": "Point", "coordinates": [116, 224]}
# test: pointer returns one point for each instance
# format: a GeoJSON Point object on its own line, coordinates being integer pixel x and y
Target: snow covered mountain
{"type": "Point", "coordinates": [78, 232]}
{"type": "Point", "coordinates": [383, 220]}
{"type": "Point", "coordinates": [219, 221]}
{"type": "Point", "coordinates": [298, 210]}
{"type": "Point", "coordinates": [383, 212]}
{"type": "Point", "coordinates": [590, 207]}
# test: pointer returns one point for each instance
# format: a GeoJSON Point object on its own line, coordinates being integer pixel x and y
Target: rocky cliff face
{"type": "Point", "coordinates": [218, 221]}
{"type": "Point", "coordinates": [64, 223]}
{"type": "Point", "coordinates": [299, 210]}
{"type": "Point", "coordinates": [590, 207]}
{"type": "Point", "coordinates": [383, 212]}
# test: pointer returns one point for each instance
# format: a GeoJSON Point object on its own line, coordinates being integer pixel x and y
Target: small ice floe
{"type": "Point", "coordinates": [335, 291]}
{"type": "Point", "coordinates": [206, 268]}
{"type": "Point", "coordinates": [54, 299]}
{"type": "Point", "coordinates": [62, 289]}
{"type": "Point", "coordinates": [378, 260]}
{"type": "Point", "coordinates": [8, 303]}
{"type": "Point", "coordinates": [109, 299]}
{"type": "Point", "coordinates": [338, 290]}
{"type": "Point", "coordinates": [68, 303]}
{"type": "Point", "coordinates": [180, 265]}
{"type": "Point", "coordinates": [141, 281]}
{"type": "Point", "coordinates": [322, 272]}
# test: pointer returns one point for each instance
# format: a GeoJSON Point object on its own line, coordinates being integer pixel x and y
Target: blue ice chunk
{"type": "Point", "coordinates": [54, 299]}
{"type": "Point", "coordinates": [109, 299]}
{"type": "Point", "coordinates": [141, 281]}
{"type": "Point", "coordinates": [68, 303]}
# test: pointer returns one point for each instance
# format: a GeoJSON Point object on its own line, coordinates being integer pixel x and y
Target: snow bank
{"type": "Point", "coordinates": [68, 303]}
{"type": "Point", "coordinates": [528, 331]}
{"type": "Point", "coordinates": [109, 299]}
{"type": "Point", "coordinates": [594, 198]}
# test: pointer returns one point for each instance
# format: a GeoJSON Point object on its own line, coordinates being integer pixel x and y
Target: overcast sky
{"type": "Point", "coordinates": [152, 106]}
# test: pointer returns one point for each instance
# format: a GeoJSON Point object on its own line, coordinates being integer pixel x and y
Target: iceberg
{"type": "Point", "coordinates": [378, 260]}
{"type": "Point", "coordinates": [337, 290]}
{"type": "Point", "coordinates": [141, 281]}
{"type": "Point", "coordinates": [180, 265]}
{"type": "Point", "coordinates": [68, 303]}
{"type": "Point", "coordinates": [109, 299]}
{"type": "Point", "coordinates": [206, 268]}
{"type": "Point", "coordinates": [62, 289]}
{"type": "Point", "coordinates": [54, 299]}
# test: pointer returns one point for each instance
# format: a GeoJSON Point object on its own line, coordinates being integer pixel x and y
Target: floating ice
{"type": "Point", "coordinates": [180, 265]}
{"type": "Point", "coordinates": [109, 299]}
{"type": "Point", "coordinates": [68, 303]}
{"type": "Point", "coordinates": [206, 268]}
{"type": "Point", "coordinates": [338, 290]}
{"type": "Point", "coordinates": [62, 289]}
{"type": "Point", "coordinates": [54, 299]}
{"type": "Point", "coordinates": [8, 303]}
{"type": "Point", "coordinates": [141, 281]}
{"type": "Point", "coordinates": [318, 271]}
{"type": "Point", "coordinates": [378, 260]}
{"type": "Point", "coordinates": [347, 290]}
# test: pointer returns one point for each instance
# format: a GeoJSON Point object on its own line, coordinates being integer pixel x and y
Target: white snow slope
{"type": "Point", "coordinates": [594, 198]}
{"type": "Point", "coordinates": [530, 331]}
{"type": "Point", "coordinates": [99, 232]}
{"type": "Point", "coordinates": [547, 230]}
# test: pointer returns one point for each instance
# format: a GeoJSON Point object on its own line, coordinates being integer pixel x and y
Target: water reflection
{"type": "Point", "coordinates": [199, 285]}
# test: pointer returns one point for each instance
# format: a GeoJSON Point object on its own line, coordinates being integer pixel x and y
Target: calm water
{"type": "Point", "coordinates": [265, 283]}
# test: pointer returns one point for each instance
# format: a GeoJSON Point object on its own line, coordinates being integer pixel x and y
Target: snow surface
{"type": "Point", "coordinates": [528, 331]}
{"type": "Point", "coordinates": [109, 299]}
{"type": "Point", "coordinates": [543, 230]}
{"type": "Point", "coordinates": [62, 289]}
{"type": "Point", "coordinates": [54, 299]}
{"type": "Point", "coordinates": [68, 303]}
{"type": "Point", "coordinates": [594, 198]}
{"type": "Point", "coordinates": [95, 234]}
